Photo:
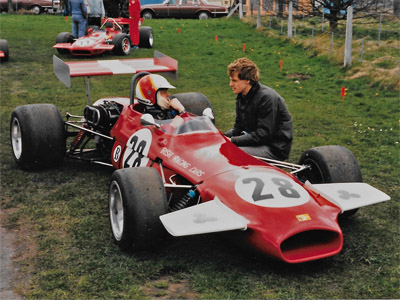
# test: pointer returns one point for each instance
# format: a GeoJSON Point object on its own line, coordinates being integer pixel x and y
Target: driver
{"type": "Point", "coordinates": [152, 91]}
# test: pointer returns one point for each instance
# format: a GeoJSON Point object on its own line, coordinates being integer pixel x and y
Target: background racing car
{"type": "Point", "coordinates": [192, 180]}
{"type": "Point", "coordinates": [113, 36]}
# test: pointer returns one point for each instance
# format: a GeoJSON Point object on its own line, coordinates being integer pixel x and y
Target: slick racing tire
{"type": "Point", "coordinates": [122, 44]}
{"type": "Point", "coordinates": [193, 102]}
{"type": "Point", "coordinates": [136, 200]}
{"type": "Point", "coordinates": [330, 164]}
{"type": "Point", "coordinates": [37, 136]}
{"type": "Point", "coordinates": [146, 37]}
{"type": "Point", "coordinates": [64, 38]}
{"type": "Point", "coordinates": [5, 49]}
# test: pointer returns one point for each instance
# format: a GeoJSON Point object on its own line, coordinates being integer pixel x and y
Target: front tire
{"type": "Point", "coordinates": [122, 44]}
{"type": "Point", "coordinates": [64, 38]}
{"type": "Point", "coordinates": [37, 136]}
{"type": "Point", "coordinates": [137, 199]}
{"type": "Point", "coordinates": [203, 15]}
{"type": "Point", "coordinates": [330, 164]}
{"type": "Point", "coordinates": [146, 37]}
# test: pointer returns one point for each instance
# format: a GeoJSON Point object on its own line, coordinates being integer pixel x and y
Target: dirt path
{"type": "Point", "coordinates": [7, 270]}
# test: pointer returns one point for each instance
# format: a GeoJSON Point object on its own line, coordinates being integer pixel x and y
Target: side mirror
{"type": "Point", "coordinates": [208, 113]}
{"type": "Point", "coordinates": [148, 120]}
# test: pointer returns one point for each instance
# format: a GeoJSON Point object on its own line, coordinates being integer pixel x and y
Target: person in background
{"type": "Point", "coordinates": [79, 16]}
{"type": "Point", "coordinates": [134, 19]}
{"type": "Point", "coordinates": [263, 124]}
{"type": "Point", "coordinates": [96, 12]}
{"type": "Point", "coordinates": [113, 8]}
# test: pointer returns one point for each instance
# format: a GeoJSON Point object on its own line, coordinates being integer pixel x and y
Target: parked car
{"type": "Point", "coordinates": [36, 6]}
{"type": "Point", "coordinates": [199, 9]}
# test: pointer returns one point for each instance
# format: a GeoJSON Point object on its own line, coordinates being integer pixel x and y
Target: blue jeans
{"type": "Point", "coordinates": [78, 25]}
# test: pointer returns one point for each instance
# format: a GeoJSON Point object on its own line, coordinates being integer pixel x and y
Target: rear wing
{"type": "Point", "coordinates": [160, 63]}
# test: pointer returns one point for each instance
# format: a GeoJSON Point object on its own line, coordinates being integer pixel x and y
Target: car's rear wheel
{"type": "Point", "coordinates": [137, 199]}
{"type": "Point", "coordinates": [64, 38]}
{"type": "Point", "coordinates": [147, 15]}
{"type": "Point", "coordinates": [122, 44]}
{"type": "Point", "coordinates": [146, 37]}
{"type": "Point", "coordinates": [5, 49]}
{"type": "Point", "coordinates": [193, 102]}
{"type": "Point", "coordinates": [37, 136]}
{"type": "Point", "coordinates": [203, 15]}
{"type": "Point", "coordinates": [330, 164]}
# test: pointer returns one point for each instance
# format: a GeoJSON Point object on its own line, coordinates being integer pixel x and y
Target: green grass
{"type": "Point", "coordinates": [65, 249]}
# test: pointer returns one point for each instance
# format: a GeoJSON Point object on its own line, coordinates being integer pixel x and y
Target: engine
{"type": "Point", "coordinates": [102, 117]}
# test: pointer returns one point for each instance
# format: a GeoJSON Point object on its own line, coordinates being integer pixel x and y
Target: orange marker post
{"type": "Point", "coordinates": [216, 38]}
{"type": "Point", "coordinates": [281, 64]}
{"type": "Point", "coordinates": [244, 47]}
{"type": "Point", "coordinates": [179, 30]}
{"type": "Point", "coordinates": [343, 92]}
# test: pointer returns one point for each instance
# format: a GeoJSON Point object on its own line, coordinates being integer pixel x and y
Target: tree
{"type": "Point", "coordinates": [336, 10]}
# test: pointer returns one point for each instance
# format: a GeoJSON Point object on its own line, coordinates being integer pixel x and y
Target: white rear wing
{"type": "Point", "coordinates": [160, 63]}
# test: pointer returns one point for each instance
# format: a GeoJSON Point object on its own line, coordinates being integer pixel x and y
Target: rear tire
{"type": "Point", "coordinates": [37, 136]}
{"type": "Point", "coordinates": [203, 15]}
{"type": "Point", "coordinates": [330, 164]}
{"type": "Point", "coordinates": [122, 44]}
{"type": "Point", "coordinates": [137, 199]}
{"type": "Point", "coordinates": [5, 49]}
{"type": "Point", "coordinates": [193, 102]}
{"type": "Point", "coordinates": [146, 37]}
{"type": "Point", "coordinates": [147, 15]}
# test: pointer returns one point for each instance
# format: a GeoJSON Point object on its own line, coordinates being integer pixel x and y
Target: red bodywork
{"type": "Point", "coordinates": [290, 223]}
{"type": "Point", "coordinates": [97, 41]}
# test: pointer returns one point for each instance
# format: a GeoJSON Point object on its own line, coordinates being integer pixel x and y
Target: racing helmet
{"type": "Point", "coordinates": [148, 86]}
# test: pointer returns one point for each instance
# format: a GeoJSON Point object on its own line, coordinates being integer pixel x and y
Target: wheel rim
{"type": "Point", "coordinates": [36, 10]}
{"type": "Point", "coordinates": [126, 45]}
{"type": "Point", "coordinates": [116, 211]}
{"type": "Point", "coordinates": [16, 138]}
{"type": "Point", "coordinates": [314, 174]}
{"type": "Point", "coordinates": [151, 40]}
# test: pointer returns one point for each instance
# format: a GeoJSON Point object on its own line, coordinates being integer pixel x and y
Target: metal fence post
{"type": "Point", "coordinates": [379, 29]}
{"type": "Point", "coordinates": [362, 50]}
{"type": "Point", "coordinates": [322, 22]}
{"type": "Point", "coordinates": [312, 37]}
{"type": "Point", "coordinates": [332, 42]}
{"type": "Point", "coordinates": [349, 37]}
{"type": "Point", "coordinates": [258, 14]}
{"type": "Point", "coordinates": [290, 20]}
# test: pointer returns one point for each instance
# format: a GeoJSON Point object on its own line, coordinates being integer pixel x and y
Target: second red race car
{"type": "Point", "coordinates": [113, 36]}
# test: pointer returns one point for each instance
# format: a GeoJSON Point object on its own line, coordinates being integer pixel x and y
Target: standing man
{"type": "Point", "coordinates": [96, 12]}
{"type": "Point", "coordinates": [134, 19]}
{"type": "Point", "coordinates": [79, 15]}
{"type": "Point", "coordinates": [263, 124]}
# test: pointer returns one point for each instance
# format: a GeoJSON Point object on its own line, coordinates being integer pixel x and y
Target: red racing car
{"type": "Point", "coordinates": [193, 180]}
{"type": "Point", "coordinates": [113, 36]}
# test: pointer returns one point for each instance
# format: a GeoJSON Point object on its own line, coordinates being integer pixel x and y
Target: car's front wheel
{"type": "Point", "coordinates": [64, 38]}
{"type": "Point", "coordinates": [330, 164]}
{"type": "Point", "coordinates": [136, 200]}
{"type": "Point", "coordinates": [37, 135]}
{"type": "Point", "coordinates": [122, 44]}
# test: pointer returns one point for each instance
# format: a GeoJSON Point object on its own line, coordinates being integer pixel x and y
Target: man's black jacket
{"type": "Point", "coordinates": [263, 114]}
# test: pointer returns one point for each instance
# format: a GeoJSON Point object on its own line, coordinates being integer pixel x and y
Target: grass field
{"type": "Point", "coordinates": [60, 215]}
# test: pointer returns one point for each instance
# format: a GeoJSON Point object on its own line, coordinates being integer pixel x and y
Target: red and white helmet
{"type": "Point", "coordinates": [148, 86]}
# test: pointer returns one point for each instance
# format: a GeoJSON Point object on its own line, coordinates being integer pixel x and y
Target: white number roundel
{"type": "Point", "coordinates": [137, 148]}
{"type": "Point", "coordinates": [270, 190]}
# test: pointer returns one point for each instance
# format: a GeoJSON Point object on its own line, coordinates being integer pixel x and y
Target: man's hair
{"type": "Point", "coordinates": [246, 70]}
